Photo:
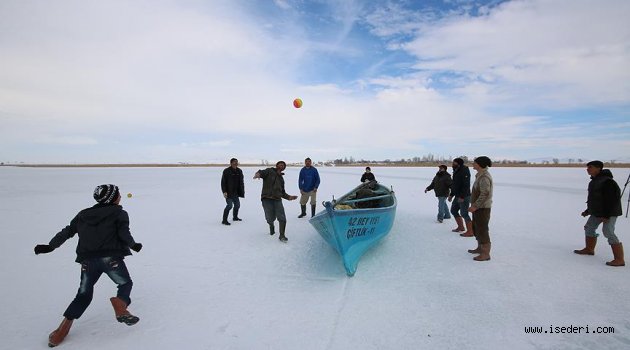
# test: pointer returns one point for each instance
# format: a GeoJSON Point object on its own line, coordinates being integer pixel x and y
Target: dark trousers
{"type": "Point", "coordinates": [91, 271]}
{"type": "Point", "coordinates": [481, 218]}
{"type": "Point", "coordinates": [273, 210]}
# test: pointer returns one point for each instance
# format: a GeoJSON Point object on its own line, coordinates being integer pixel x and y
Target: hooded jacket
{"type": "Point", "coordinates": [103, 232]}
{"type": "Point", "coordinates": [461, 182]}
{"type": "Point", "coordinates": [604, 196]}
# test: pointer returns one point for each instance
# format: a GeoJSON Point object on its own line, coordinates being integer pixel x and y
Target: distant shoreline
{"type": "Point", "coordinates": [211, 165]}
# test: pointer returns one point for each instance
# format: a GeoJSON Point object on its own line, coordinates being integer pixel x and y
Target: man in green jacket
{"type": "Point", "coordinates": [271, 197]}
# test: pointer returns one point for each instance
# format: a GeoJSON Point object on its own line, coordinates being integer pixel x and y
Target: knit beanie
{"type": "Point", "coordinates": [483, 161]}
{"type": "Point", "coordinates": [459, 161]}
{"type": "Point", "coordinates": [106, 194]}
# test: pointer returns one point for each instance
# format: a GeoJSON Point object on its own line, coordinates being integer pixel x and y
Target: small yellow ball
{"type": "Point", "coordinates": [128, 195]}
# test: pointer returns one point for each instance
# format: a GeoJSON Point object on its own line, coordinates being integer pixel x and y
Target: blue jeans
{"type": "Point", "coordinates": [443, 209]}
{"type": "Point", "coordinates": [91, 271]}
{"type": "Point", "coordinates": [461, 209]}
{"type": "Point", "coordinates": [608, 228]}
{"type": "Point", "coordinates": [232, 202]}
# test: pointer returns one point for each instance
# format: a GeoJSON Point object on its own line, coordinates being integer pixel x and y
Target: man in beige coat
{"type": "Point", "coordinates": [480, 204]}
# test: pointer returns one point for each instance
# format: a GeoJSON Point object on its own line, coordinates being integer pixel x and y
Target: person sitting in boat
{"type": "Point", "coordinates": [368, 175]}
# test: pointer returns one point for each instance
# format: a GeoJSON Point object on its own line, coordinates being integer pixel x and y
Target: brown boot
{"type": "Point", "coordinates": [590, 246]}
{"type": "Point", "coordinates": [477, 250]}
{"type": "Point", "coordinates": [58, 335]}
{"type": "Point", "coordinates": [122, 315]}
{"type": "Point", "coordinates": [618, 254]}
{"type": "Point", "coordinates": [469, 230]}
{"type": "Point", "coordinates": [460, 224]}
{"type": "Point", "coordinates": [484, 255]}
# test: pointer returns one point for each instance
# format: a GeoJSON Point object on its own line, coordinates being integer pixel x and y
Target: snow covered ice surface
{"type": "Point", "coordinates": [201, 285]}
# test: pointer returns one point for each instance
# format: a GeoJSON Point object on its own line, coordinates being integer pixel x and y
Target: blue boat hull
{"type": "Point", "coordinates": [353, 231]}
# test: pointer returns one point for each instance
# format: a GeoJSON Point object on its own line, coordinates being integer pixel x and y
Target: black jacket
{"type": "Point", "coordinates": [461, 182]}
{"type": "Point", "coordinates": [368, 176]}
{"type": "Point", "coordinates": [441, 184]}
{"type": "Point", "coordinates": [103, 231]}
{"type": "Point", "coordinates": [232, 182]}
{"type": "Point", "coordinates": [604, 196]}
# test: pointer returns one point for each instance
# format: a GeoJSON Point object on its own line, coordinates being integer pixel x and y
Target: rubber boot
{"type": "Point", "coordinates": [460, 224]}
{"type": "Point", "coordinates": [272, 229]}
{"type": "Point", "coordinates": [484, 255]}
{"type": "Point", "coordinates": [122, 315]}
{"type": "Point", "coordinates": [476, 250]}
{"type": "Point", "coordinates": [58, 335]}
{"type": "Point", "coordinates": [590, 243]}
{"type": "Point", "coordinates": [618, 254]}
{"type": "Point", "coordinates": [469, 230]}
{"type": "Point", "coordinates": [313, 207]}
{"type": "Point", "coordinates": [283, 226]}
{"type": "Point", "coordinates": [235, 215]}
{"type": "Point", "coordinates": [225, 215]}
{"type": "Point", "coordinates": [303, 214]}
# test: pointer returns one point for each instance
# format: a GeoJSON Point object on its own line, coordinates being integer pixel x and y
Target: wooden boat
{"type": "Point", "coordinates": [357, 221]}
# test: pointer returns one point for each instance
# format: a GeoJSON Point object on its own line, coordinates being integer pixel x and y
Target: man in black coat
{"type": "Point", "coordinates": [233, 187]}
{"type": "Point", "coordinates": [441, 184]}
{"type": "Point", "coordinates": [460, 191]}
{"type": "Point", "coordinates": [603, 205]}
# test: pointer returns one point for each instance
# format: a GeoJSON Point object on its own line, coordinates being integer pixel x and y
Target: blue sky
{"type": "Point", "coordinates": [205, 81]}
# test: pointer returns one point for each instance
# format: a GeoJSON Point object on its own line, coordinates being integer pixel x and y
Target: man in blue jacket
{"type": "Point", "coordinates": [308, 182]}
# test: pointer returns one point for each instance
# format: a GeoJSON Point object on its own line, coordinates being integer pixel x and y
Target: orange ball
{"type": "Point", "coordinates": [297, 103]}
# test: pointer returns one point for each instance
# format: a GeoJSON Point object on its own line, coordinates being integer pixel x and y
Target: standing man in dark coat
{"type": "Point", "coordinates": [460, 190]}
{"type": "Point", "coordinates": [603, 205]}
{"type": "Point", "coordinates": [441, 184]}
{"type": "Point", "coordinates": [271, 197]}
{"type": "Point", "coordinates": [233, 187]}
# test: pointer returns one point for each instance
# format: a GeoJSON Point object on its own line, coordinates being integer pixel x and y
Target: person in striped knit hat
{"type": "Point", "coordinates": [104, 241]}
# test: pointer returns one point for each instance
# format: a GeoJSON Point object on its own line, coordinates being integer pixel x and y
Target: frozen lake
{"type": "Point", "coordinates": [201, 285]}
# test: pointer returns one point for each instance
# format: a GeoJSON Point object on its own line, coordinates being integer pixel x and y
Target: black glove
{"type": "Point", "coordinates": [43, 249]}
{"type": "Point", "coordinates": [136, 247]}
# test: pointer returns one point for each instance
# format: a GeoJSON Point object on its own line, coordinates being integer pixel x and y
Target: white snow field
{"type": "Point", "coordinates": [201, 285]}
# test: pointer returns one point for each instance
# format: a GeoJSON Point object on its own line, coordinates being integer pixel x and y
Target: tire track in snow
{"type": "Point", "coordinates": [341, 301]}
